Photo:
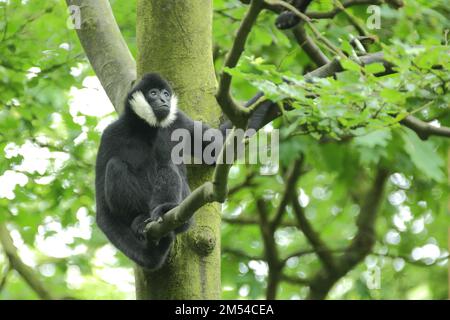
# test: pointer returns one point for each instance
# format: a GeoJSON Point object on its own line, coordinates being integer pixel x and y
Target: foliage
{"type": "Point", "coordinates": [49, 137]}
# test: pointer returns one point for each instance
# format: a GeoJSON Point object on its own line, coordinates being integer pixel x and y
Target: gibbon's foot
{"type": "Point", "coordinates": [286, 20]}
{"type": "Point", "coordinates": [161, 209]}
{"type": "Point", "coordinates": [138, 226]}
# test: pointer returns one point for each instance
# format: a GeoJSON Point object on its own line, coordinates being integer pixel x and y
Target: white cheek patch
{"type": "Point", "coordinates": [141, 107]}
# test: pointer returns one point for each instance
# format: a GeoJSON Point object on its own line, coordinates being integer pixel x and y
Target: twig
{"type": "Point", "coordinates": [309, 46]}
{"type": "Point", "coordinates": [288, 193]}
{"type": "Point", "coordinates": [270, 250]}
{"type": "Point", "coordinates": [353, 20]}
{"type": "Point", "coordinates": [313, 237]}
{"type": "Point", "coordinates": [294, 280]}
{"type": "Point", "coordinates": [346, 4]}
{"type": "Point", "coordinates": [253, 222]}
{"type": "Point", "coordinates": [241, 254]}
{"type": "Point", "coordinates": [5, 277]}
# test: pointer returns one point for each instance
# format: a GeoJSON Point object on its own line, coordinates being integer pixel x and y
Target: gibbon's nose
{"type": "Point", "coordinates": [163, 98]}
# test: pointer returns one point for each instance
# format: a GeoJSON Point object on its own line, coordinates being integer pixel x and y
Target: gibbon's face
{"type": "Point", "coordinates": [159, 100]}
{"type": "Point", "coordinates": [157, 106]}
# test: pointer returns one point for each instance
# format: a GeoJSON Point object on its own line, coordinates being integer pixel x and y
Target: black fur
{"type": "Point", "coordinates": [288, 19]}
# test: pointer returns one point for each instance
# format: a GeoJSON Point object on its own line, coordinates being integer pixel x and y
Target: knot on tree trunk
{"type": "Point", "coordinates": [202, 240]}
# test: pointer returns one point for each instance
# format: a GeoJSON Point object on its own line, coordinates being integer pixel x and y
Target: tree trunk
{"type": "Point", "coordinates": [174, 38]}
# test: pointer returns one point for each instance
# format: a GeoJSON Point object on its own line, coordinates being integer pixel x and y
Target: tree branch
{"type": "Point", "coordinates": [409, 260]}
{"type": "Point", "coordinates": [309, 46]}
{"type": "Point", "coordinates": [313, 237]}
{"type": "Point", "coordinates": [183, 212]}
{"type": "Point", "coordinates": [5, 277]}
{"type": "Point", "coordinates": [16, 263]}
{"type": "Point", "coordinates": [361, 244]}
{"type": "Point", "coordinates": [270, 250]}
{"type": "Point", "coordinates": [247, 182]}
{"type": "Point", "coordinates": [106, 49]}
{"type": "Point", "coordinates": [237, 114]}
{"type": "Point", "coordinates": [423, 129]}
{"type": "Point", "coordinates": [240, 254]}
{"type": "Point", "coordinates": [252, 221]}
{"type": "Point", "coordinates": [346, 4]}
{"type": "Point", "coordinates": [294, 280]}
{"type": "Point", "coordinates": [289, 192]}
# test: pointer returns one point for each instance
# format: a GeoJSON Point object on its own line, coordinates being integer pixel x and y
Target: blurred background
{"type": "Point", "coordinates": [52, 113]}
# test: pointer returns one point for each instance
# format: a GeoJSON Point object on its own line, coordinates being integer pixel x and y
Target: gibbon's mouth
{"type": "Point", "coordinates": [162, 107]}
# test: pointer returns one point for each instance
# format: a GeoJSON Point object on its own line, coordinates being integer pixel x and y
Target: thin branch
{"type": "Point", "coordinates": [346, 4]}
{"type": "Point", "coordinates": [294, 280]}
{"type": "Point", "coordinates": [352, 19]}
{"type": "Point", "coordinates": [254, 222]}
{"type": "Point", "coordinates": [270, 250]}
{"type": "Point", "coordinates": [361, 244]}
{"type": "Point", "coordinates": [28, 274]}
{"type": "Point", "coordinates": [5, 277]}
{"type": "Point", "coordinates": [106, 49]}
{"type": "Point", "coordinates": [408, 260]}
{"type": "Point", "coordinates": [309, 46]}
{"type": "Point", "coordinates": [423, 129]}
{"type": "Point", "coordinates": [298, 254]}
{"type": "Point", "coordinates": [237, 114]}
{"type": "Point", "coordinates": [335, 66]}
{"type": "Point", "coordinates": [288, 193]}
{"type": "Point", "coordinates": [241, 254]}
{"type": "Point", "coordinates": [247, 182]}
{"type": "Point", "coordinates": [313, 237]}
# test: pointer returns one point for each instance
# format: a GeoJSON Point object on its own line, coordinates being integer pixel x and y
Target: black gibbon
{"type": "Point", "coordinates": [136, 179]}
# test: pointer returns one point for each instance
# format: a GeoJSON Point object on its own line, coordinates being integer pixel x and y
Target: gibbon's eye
{"type": "Point", "coordinates": [166, 93]}
{"type": "Point", "coordinates": [153, 93]}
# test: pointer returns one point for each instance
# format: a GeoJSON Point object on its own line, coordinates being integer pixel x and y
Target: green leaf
{"type": "Point", "coordinates": [424, 156]}
{"type": "Point", "coordinates": [375, 68]}
{"type": "Point", "coordinates": [348, 64]}
{"type": "Point", "coordinates": [392, 96]}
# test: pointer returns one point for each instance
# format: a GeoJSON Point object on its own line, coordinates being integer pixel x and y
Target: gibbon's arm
{"type": "Point", "coordinates": [145, 253]}
{"type": "Point", "coordinates": [257, 120]}
{"type": "Point", "coordinates": [122, 189]}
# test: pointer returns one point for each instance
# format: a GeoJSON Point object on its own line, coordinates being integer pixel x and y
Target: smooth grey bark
{"type": "Point", "coordinates": [106, 49]}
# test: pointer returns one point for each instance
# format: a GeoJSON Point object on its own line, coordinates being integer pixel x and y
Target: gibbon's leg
{"type": "Point", "coordinates": [123, 192]}
{"type": "Point", "coordinates": [148, 254]}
